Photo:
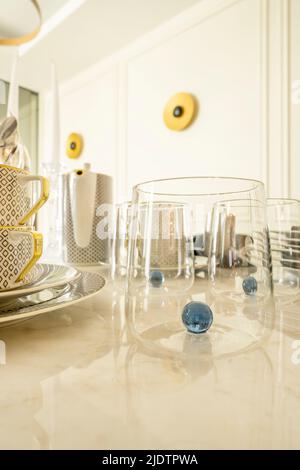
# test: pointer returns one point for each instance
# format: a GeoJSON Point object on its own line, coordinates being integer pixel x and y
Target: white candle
{"type": "Point", "coordinates": [13, 94]}
{"type": "Point", "coordinates": [54, 138]}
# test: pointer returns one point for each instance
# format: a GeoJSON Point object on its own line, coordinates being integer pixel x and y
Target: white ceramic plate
{"type": "Point", "coordinates": [47, 276]}
{"type": "Point", "coordinates": [86, 286]}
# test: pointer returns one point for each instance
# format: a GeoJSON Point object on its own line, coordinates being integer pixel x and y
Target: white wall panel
{"type": "Point", "coordinates": [89, 107]}
{"type": "Point", "coordinates": [234, 56]}
{"type": "Point", "coordinates": [295, 107]}
{"type": "Point", "coordinates": [220, 62]}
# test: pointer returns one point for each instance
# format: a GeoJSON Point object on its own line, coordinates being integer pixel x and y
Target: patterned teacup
{"type": "Point", "coordinates": [20, 249]}
{"type": "Point", "coordinates": [16, 195]}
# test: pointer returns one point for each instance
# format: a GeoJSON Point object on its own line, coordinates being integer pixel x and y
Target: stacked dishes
{"type": "Point", "coordinates": [52, 288]}
{"type": "Point", "coordinates": [20, 245]}
{"type": "Point", "coordinates": [27, 288]}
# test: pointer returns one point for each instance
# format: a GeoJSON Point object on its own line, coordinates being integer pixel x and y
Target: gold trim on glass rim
{"type": "Point", "coordinates": [17, 41]}
{"type": "Point", "coordinates": [37, 253]}
{"type": "Point", "coordinates": [44, 197]}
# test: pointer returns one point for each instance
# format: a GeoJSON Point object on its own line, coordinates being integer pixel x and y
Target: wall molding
{"type": "Point", "coordinates": [177, 25]}
{"type": "Point", "coordinates": [185, 21]}
{"type": "Point", "coordinates": [122, 127]}
{"type": "Point", "coordinates": [181, 24]}
{"type": "Point", "coordinates": [188, 20]}
{"type": "Point", "coordinates": [285, 104]}
{"type": "Point", "coordinates": [264, 66]}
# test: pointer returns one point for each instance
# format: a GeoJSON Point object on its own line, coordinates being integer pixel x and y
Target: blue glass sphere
{"type": "Point", "coordinates": [250, 285]}
{"type": "Point", "coordinates": [156, 278]}
{"type": "Point", "coordinates": [197, 317]}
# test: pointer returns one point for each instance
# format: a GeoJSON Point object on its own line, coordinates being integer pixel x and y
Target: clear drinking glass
{"type": "Point", "coordinates": [119, 243]}
{"type": "Point", "coordinates": [162, 256]}
{"type": "Point", "coordinates": [184, 209]}
{"type": "Point", "coordinates": [239, 261]}
{"type": "Point", "coordinates": [284, 227]}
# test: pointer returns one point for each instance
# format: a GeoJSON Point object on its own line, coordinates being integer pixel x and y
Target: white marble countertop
{"type": "Point", "coordinates": [73, 379]}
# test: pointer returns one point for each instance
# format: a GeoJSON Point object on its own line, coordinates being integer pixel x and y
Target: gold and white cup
{"type": "Point", "coordinates": [16, 206]}
{"type": "Point", "coordinates": [20, 249]}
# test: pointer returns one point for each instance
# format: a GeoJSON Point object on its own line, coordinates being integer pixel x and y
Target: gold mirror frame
{"type": "Point", "coordinates": [26, 37]}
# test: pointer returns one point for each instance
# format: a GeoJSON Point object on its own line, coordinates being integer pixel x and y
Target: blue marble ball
{"type": "Point", "coordinates": [250, 285]}
{"type": "Point", "coordinates": [197, 317]}
{"type": "Point", "coordinates": [156, 278]}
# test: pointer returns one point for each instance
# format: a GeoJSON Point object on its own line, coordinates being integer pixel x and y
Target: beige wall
{"type": "Point", "coordinates": [233, 56]}
{"type": "Point", "coordinates": [295, 108]}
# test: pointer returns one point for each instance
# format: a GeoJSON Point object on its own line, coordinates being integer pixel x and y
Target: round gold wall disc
{"type": "Point", "coordinates": [17, 41]}
{"type": "Point", "coordinates": [179, 111]}
{"type": "Point", "coordinates": [74, 145]}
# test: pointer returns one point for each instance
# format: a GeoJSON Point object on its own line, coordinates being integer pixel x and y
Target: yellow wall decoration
{"type": "Point", "coordinates": [74, 145]}
{"type": "Point", "coordinates": [180, 111]}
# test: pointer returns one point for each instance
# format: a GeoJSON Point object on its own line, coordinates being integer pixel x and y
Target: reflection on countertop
{"type": "Point", "coordinates": [78, 378]}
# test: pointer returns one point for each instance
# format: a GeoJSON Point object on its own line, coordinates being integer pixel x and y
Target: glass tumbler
{"type": "Point", "coordinates": [184, 209]}
{"type": "Point", "coordinates": [119, 242]}
{"type": "Point", "coordinates": [284, 227]}
{"type": "Point", "coordinates": [239, 259]}
{"type": "Point", "coordinates": [162, 257]}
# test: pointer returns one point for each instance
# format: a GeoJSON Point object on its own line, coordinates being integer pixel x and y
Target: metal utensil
{"type": "Point", "coordinates": [8, 138]}
{"type": "Point", "coordinates": [9, 132]}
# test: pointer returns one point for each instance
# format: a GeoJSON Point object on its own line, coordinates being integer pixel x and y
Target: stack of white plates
{"type": "Point", "coordinates": [52, 287]}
